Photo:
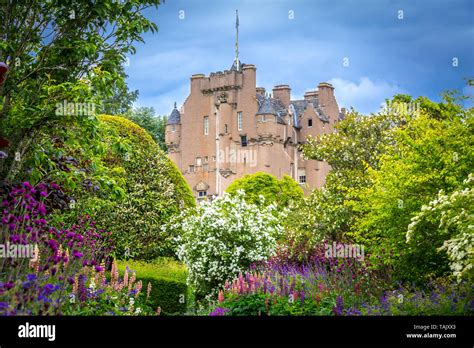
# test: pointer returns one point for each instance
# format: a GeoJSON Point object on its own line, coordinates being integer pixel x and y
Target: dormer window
{"type": "Point", "coordinates": [310, 122]}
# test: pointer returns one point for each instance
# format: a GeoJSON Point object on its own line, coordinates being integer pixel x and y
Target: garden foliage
{"type": "Point", "coordinates": [222, 238]}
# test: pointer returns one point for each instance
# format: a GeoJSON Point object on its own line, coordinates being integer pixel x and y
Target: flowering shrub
{"type": "Point", "coordinates": [224, 237]}
{"type": "Point", "coordinates": [454, 216]}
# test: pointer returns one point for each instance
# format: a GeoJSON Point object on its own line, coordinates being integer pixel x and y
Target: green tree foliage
{"type": "Point", "coordinates": [154, 125]}
{"type": "Point", "coordinates": [281, 192]}
{"type": "Point", "coordinates": [431, 152]}
{"type": "Point", "coordinates": [153, 191]}
{"type": "Point", "coordinates": [355, 146]}
{"type": "Point", "coordinates": [60, 51]}
{"type": "Point", "coordinates": [121, 100]}
{"type": "Point", "coordinates": [397, 175]}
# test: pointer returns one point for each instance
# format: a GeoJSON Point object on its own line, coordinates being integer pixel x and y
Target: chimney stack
{"type": "Point", "coordinates": [261, 91]}
{"type": "Point", "coordinates": [282, 92]}
{"type": "Point", "coordinates": [311, 95]}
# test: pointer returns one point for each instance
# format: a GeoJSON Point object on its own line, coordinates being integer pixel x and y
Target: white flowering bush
{"type": "Point", "coordinates": [454, 216]}
{"type": "Point", "coordinates": [221, 238]}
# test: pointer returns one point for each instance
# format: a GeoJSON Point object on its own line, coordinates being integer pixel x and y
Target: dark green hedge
{"type": "Point", "coordinates": [168, 283]}
{"type": "Point", "coordinates": [169, 294]}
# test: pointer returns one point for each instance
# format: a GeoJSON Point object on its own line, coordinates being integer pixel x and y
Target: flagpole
{"type": "Point", "coordinates": [237, 40]}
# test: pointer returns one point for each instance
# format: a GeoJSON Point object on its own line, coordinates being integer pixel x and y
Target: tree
{"type": "Point", "coordinates": [60, 51]}
{"type": "Point", "coordinates": [356, 146]}
{"type": "Point", "coordinates": [155, 126]}
{"type": "Point", "coordinates": [431, 153]}
{"type": "Point", "coordinates": [281, 192]}
{"type": "Point", "coordinates": [121, 100]}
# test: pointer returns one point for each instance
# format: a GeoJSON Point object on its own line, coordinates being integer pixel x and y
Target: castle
{"type": "Point", "coordinates": [229, 127]}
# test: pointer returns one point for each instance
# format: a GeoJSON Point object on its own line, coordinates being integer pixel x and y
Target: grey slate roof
{"type": "Point", "coordinates": [271, 106]}
{"type": "Point", "coordinates": [175, 116]}
{"type": "Point", "coordinates": [301, 105]}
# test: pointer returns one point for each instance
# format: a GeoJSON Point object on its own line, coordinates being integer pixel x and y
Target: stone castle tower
{"type": "Point", "coordinates": [229, 127]}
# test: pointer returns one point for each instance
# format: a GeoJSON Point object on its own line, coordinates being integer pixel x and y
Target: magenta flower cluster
{"type": "Point", "coordinates": [38, 285]}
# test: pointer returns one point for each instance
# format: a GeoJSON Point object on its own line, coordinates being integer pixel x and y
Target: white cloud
{"type": "Point", "coordinates": [366, 96]}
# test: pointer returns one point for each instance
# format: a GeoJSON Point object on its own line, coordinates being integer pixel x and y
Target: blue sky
{"type": "Point", "coordinates": [386, 55]}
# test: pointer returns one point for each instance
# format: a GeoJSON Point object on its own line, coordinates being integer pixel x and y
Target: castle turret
{"type": "Point", "coordinates": [173, 130]}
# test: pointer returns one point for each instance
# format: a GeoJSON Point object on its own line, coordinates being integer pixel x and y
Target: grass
{"type": "Point", "coordinates": [160, 268]}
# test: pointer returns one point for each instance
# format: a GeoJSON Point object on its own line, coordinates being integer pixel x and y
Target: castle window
{"type": "Point", "coordinates": [225, 129]}
{"type": "Point", "coordinates": [202, 194]}
{"type": "Point", "coordinates": [264, 118]}
{"type": "Point", "coordinates": [198, 161]}
{"type": "Point", "coordinates": [302, 176]}
{"type": "Point", "coordinates": [206, 125]}
{"type": "Point", "coordinates": [214, 158]}
{"type": "Point", "coordinates": [243, 140]}
{"type": "Point", "coordinates": [310, 122]}
{"type": "Point", "coordinates": [205, 167]}
{"type": "Point", "coordinates": [191, 169]}
{"type": "Point", "coordinates": [206, 159]}
{"type": "Point", "coordinates": [173, 128]}
{"type": "Point", "coordinates": [240, 121]}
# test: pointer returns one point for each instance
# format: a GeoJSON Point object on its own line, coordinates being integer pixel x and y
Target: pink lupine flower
{"type": "Point", "coordinates": [220, 297]}
{"type": "Point", "coordinates": [125, 278]}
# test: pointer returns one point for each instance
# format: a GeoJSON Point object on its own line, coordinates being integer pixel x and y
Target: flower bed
{"type": "Point", "coordinates": [328, 286]}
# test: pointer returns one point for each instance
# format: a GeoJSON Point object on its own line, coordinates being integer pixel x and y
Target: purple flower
{"type": "Point", "coordinates": [27, 185]}
{"type": "Point", "coordinates": [53, 244]}
{"type": "Point", "coordinates": [77, 254]}
{"type": "Point", "coordinates": [3, 155]}
{"type": "Point", "coordinates": [219, 311]}
{"type": "Point", "coordinates": [338, 309]}
{"type": "Point", "coordinates": [42, 209]}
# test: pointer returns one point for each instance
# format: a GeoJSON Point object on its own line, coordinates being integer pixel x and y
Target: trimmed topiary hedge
{"type": "Point", "coordinates": [168, 280]}
{"type": "Point", "coordinates": [153, 190]}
